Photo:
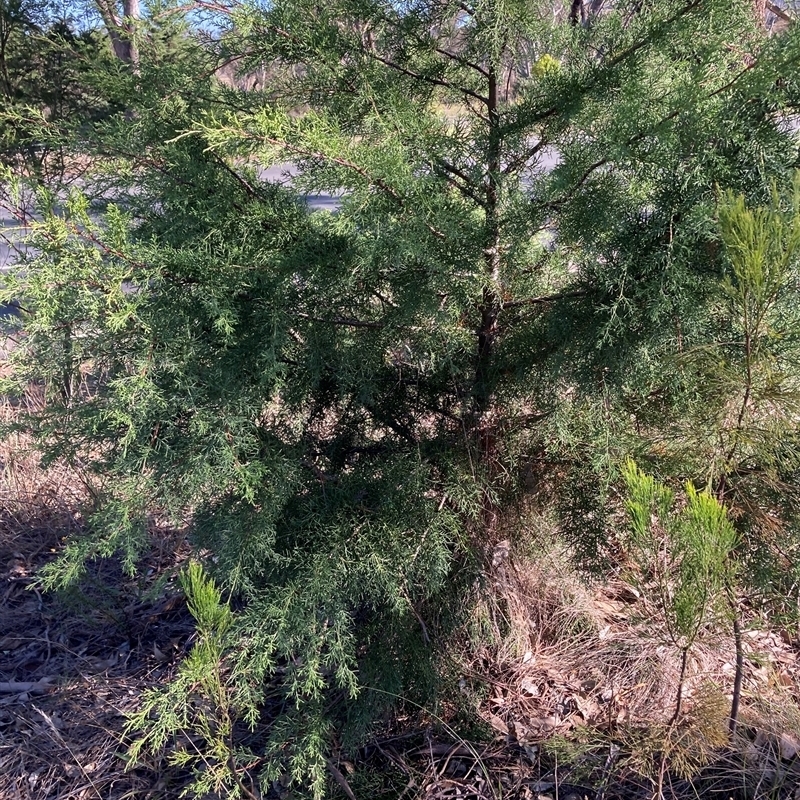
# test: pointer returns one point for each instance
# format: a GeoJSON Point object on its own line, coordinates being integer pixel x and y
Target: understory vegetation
{"type": "Point", "coordinates": [500, 448]}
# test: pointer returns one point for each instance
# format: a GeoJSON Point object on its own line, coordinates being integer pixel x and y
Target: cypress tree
{"type": "Point", "coordinates": [341, 402]}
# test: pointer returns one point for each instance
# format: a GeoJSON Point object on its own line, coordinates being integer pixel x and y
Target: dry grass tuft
{"type": "Point", "coordinates": [586, 671]}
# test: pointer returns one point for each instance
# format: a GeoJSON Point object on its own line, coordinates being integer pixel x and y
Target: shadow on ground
{"type": "Point", "coordinates": [73, 664]}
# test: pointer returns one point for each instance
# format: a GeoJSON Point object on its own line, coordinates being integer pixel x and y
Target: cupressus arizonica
{"type": "Point", "coordinates": [345, 405]}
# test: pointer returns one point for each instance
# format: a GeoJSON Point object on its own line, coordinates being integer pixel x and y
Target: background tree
{"type": "Point", "coordinates": [53, 84]}
{"type": "Point", "coordinates": [120, 22]}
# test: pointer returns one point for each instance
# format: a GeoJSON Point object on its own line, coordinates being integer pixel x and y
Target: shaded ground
{"type": "Point", "coordinates": [72, 665]}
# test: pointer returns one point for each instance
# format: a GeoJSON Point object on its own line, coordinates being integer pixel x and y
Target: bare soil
{"type": "Point", "coordinates": [73, 664]}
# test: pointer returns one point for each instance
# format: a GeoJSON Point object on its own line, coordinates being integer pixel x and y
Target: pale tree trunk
{"type": "Point", "coordinates": [121, 28]}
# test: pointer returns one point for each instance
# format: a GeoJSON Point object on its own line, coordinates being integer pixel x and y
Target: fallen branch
{"type": "Point", "coordinates": [340, 779]}
{"type": "Point", "coordinates": [779, 12]}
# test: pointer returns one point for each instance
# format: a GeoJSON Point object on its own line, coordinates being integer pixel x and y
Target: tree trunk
{"type": "Point", "coordinates": [484, 423]}
{"type": "Point", "coordinates": [577, 13]}
{"type": "Point", "coordinates": [121, 28]}
{"type": "Point", "coordinates": [131, 14]}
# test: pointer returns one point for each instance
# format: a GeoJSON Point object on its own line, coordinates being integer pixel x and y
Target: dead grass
{"type": "Point", "coordinates": [585, 671]}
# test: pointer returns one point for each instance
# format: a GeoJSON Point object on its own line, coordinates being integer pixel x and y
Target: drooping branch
{"type": "Point", "coordinates": [339, 161]}
{"type": "Point", "coordinates": [516, 162]}
{"type": "Point", "coordinates": [418, 76]}
{"type": "Point", "coordinates": [378, 183]}
{"type": "Point", "coordinates": [463, 61]}
{"type": "Point", "coordinates": [638, 137]}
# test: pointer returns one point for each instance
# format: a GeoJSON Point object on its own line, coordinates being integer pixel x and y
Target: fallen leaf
{"type": "Point", "coordinates": [789, 746]}
{"type": "Point", "coordinates": [521, 732]}
{"type": "Point", "coordinates": [161, 657]}
{"type": "Point", "coordinates": [498, 724]}
{"type": "Point", "coordinates": [529, 686]}
{"type": "Point", "coordinates": [500, 554]}
{"type": "Point", "coordinates": [549, 723]}
{"type": "Point", "coordinates": [587, 708]}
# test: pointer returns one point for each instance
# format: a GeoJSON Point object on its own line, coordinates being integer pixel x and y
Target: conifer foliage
{"type": "Point", "coordinates": [526, 248]}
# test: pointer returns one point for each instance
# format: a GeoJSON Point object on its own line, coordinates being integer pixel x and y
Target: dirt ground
{"type": "Point", "coordinates": [72, 665]}
{"type": "Point", "coordinates": [573, 699]}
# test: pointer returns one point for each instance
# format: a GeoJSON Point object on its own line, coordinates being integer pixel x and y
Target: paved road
{"type": "Point", "coordinates": [10, 241]}
{"type": "Point", "coordinates": [10, 234]}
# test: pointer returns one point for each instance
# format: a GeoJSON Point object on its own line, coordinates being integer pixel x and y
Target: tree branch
{"type": "Point", "coordinates": [341, 162]}
{"type": "Point", "coordinates": [248, 189]}
{"type": "Point", "coordinates": [347, 322]}
{"type": "Point", "coordinates": [427, 79]}
{"type": "Point", "coordinates": [465, 187]}
{"type": "Point", "coordinates": [549, 298]}
{"type": "Point", "coordinates": [780, 13]}
{"type": "Point", "coordinates": [514, 163]}
{"type": "Point", "coordinates": [617, 60]}
{"type": "Point", "coordinates": [463, 61]}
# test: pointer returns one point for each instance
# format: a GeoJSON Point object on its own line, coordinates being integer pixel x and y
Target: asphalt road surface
{"type": "Point", "coordinates": [12, 234]}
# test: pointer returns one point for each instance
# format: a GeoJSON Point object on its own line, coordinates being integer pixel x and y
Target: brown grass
{"type": "Point", "coordinates": [586, 671]}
